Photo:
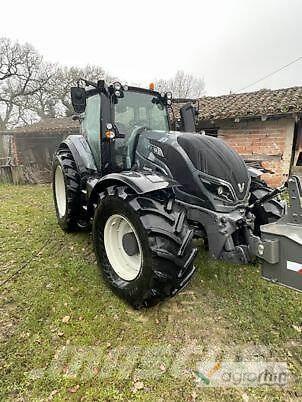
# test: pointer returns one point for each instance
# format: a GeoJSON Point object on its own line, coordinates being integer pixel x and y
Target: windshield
{"type": "Point", "coordinates": [138, 109]}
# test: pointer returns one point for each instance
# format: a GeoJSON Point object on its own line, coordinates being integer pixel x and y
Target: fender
{"type": "Point", "coordinates": [140, 182]}
{"type": "Point", "coordinates": [81, 153]}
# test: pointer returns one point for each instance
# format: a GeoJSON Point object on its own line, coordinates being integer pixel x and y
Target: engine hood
{"type": "Point", "coordinates": [213, 157]}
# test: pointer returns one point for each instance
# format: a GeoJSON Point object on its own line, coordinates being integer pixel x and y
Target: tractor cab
{"type": "Point", "coordinates": [113, 117]}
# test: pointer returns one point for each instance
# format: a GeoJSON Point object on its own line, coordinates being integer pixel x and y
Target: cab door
{"type": "Point", "coordinates": [91, 126]}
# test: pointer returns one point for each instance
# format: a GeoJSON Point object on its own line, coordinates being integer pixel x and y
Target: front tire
{"type": "Point", "coordinates": [143, 245]}
{"type": "Point", "coordinates": [66, 190]}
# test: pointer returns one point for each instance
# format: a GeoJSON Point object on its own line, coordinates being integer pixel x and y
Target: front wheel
{"type": "Point", "coordinates": [143, 248]}
{"type": "Point", "coordinates": [66, 190]}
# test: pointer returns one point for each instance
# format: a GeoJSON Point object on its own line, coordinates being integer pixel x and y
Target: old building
{"type": "Point", "coordinates": [262, 126]}
{"type": "Point", "coordinates": [32, 147]}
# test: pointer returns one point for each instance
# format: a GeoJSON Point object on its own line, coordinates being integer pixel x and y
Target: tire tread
{"type": "Point", "coordinates": [170, 243]}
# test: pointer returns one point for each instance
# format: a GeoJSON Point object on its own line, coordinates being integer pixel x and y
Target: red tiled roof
{"type": "Point", "coordinates": [265, 102]}
{"type": "Point", "coordinates": [49, 125]}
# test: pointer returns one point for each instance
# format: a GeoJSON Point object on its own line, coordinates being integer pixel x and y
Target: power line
{"type": "Point", "coordinates": [269, 75]}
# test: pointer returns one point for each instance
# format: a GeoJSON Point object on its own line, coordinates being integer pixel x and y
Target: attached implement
{"type": "Point", "coordinates": [285, 238]}
{"type": "Point", "coordinates": [148, 191]}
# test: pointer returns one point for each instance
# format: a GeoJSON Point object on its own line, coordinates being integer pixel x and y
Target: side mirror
{"type": "Point", "coordinates": [78, 99]}
{"type": "Point", "coordinates": [188, 114]}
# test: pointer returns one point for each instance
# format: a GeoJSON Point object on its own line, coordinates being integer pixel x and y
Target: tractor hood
{"type": "Point", "coordinates": [205, 167]}
{"type": "Point", "coordinates": [213, 157]}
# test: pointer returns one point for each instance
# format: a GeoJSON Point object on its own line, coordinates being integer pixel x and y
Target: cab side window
{"type": "Point", "coordinates": [91, 126]}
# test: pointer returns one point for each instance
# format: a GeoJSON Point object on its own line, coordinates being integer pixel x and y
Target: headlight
{"type": "Point", "coordinates": [169, 95]}
{"type": "Point", "coordinates": [219, 190]}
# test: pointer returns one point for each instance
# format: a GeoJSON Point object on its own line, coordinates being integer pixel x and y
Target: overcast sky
{"type": "Point", "coordinates": [231, 43]}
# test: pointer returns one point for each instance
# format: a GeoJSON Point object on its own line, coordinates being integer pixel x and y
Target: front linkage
{"type": "Point", "coordinates": [280, 247]}
{"type": "Point", "coordinates": [231, 236]}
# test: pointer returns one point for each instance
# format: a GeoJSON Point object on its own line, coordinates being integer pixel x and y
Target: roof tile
{"type": "Point", "coordinates": [258, 103]}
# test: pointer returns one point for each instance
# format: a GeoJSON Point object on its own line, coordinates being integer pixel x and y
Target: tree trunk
{"type": "Point", "coordinates": [3, 151]}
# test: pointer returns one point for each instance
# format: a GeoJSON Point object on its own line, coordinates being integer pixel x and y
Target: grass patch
{"type": "Point", "coordinates": [65, 336]}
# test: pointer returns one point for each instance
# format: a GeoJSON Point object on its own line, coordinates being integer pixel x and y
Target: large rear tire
{"type": "Point", "coordinates": [143, 245]}
{"type": "Point", "coordinates": [269, 211]}
{"type": "Point", "coordinates": [66, 190]}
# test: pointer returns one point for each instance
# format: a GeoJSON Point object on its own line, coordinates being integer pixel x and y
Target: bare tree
{"type": "Point", "coordinates": [10, 59]}
{"type": "Point", "coordinates": [182, 85]}
{"type": "Point", "coordinates": [22, 74]}
{"type": "Point", "coordinates": [32, 89]}
{"type": "Point", "coordinates": [53, 100]}
{"type": "Point", "coordinates": [68, 77]}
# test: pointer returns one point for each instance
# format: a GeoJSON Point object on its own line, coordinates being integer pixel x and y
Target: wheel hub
{"type": "Point", "coordinates": [123, 247]}
{"type": "Point", "coordinates": [130, 244]}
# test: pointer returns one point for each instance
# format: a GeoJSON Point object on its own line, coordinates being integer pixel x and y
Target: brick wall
{"type": "Point", "coordinates": [269, 140]}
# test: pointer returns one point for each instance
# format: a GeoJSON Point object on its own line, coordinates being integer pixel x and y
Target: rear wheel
{"type": "Point", "coordinates": [66, 190]}
{"type": "Point", "coordinates": [143, 245]}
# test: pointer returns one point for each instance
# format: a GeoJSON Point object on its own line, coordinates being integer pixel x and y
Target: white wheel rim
{"type": "Point", "coordinates": [60, 191]}
{"type": "Point", "coordinates": [125, 266]}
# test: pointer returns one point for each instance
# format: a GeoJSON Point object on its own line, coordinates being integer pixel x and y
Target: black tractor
{"type": "Point", "coordinates": [149, 191]}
